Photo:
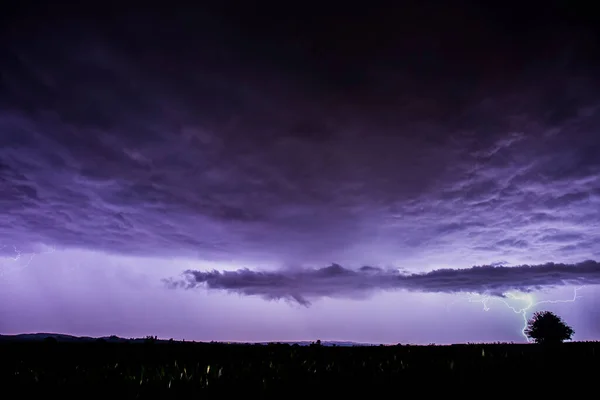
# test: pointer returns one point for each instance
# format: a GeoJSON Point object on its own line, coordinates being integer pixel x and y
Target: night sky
{"type": "Point", "coordinates": [291, 172]}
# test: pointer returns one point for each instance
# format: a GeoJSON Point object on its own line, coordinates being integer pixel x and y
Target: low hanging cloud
{"type": "Point", "coordinates": [303, 286]}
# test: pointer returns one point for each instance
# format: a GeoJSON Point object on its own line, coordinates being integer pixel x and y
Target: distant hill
{"type": "Point", "coordinates": [69, 338]}
{"type": "Point", "coordinates": [59, 337]}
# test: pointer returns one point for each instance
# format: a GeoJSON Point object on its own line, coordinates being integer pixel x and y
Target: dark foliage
{"type": "Point", "coordinates": [212, 370]}
{"type": "Point", "coordinates": [546, 327]}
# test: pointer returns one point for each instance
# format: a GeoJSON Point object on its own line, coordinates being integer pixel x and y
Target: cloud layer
{"type": "Point", "coordinates": [335, 281]}
{"type": "Point", "coordinates": [134, 141]}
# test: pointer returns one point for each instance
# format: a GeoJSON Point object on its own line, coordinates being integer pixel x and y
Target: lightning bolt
{"type": "Point", "coordinates": [18, 255]}
{"type": "Point", "coordinates": [527, 297]}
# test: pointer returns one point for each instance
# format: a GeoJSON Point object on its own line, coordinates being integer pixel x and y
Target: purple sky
{"type": "Point", "coordinates": [205, 176]}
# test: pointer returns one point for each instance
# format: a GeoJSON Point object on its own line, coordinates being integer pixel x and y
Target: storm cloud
{"type": "Point", "coordinates": [127, 140]}
{"type": "Point", "coordinates": [336, 281]}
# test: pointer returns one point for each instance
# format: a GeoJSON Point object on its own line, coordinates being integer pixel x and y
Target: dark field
{"type": "Point", "coordinates": [201, 370]}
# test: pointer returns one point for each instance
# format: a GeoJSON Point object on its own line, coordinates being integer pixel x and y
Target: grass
{"type": "Point", "coordinates": [189, 370]}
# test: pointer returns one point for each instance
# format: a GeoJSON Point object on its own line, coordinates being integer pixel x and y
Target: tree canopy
{"type": "Point", "coordinates": [548, 328]}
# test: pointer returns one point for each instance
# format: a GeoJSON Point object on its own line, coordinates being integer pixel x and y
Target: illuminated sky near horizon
{"type": "Point", "coordinates": [201, 175]}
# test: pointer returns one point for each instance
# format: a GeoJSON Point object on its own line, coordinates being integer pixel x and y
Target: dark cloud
{"type": "Point", "coordinates": [149, 136]}
{"type": "Point", "coordinates": [336, 281]}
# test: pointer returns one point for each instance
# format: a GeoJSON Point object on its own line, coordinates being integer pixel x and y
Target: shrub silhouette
{"type": "Point", "coordinates": [546, 327]}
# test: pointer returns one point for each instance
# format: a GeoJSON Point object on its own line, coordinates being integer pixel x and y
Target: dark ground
{"type": "Point", "coordinates": [186, 369]}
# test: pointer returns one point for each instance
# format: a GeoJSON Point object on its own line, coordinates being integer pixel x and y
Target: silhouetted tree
{"type": "Point", "coordinates": [546, 327]}
{"type": "Point", "coordinates": [150, 339]}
